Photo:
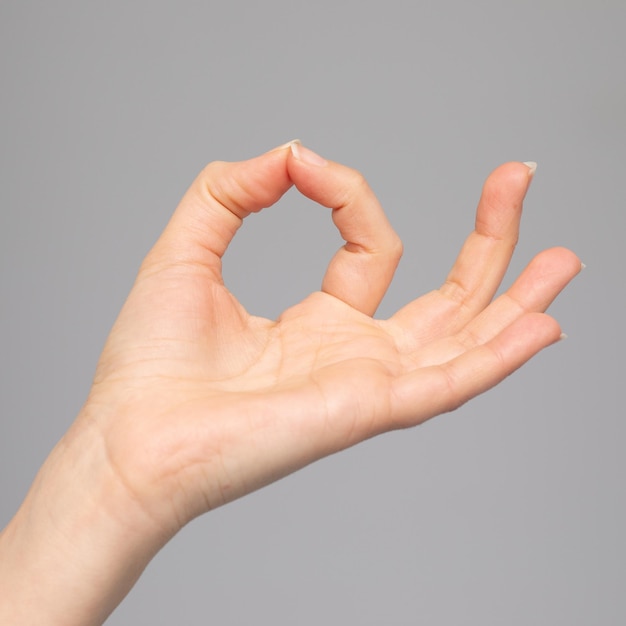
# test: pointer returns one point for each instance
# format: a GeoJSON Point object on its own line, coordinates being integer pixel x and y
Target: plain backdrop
{"type": "Point", "coordinates": [509, 511]}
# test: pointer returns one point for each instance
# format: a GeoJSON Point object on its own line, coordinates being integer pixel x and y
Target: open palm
{"type": "Point", "coordinates": [199, 402]}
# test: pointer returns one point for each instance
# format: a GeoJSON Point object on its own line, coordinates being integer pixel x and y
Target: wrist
{"type": "Point", "coordinates": [79, 541]}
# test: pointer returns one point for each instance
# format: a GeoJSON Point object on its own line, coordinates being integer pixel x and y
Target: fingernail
{"type": "Point", "coordinates": [582, 266]}
{"type": "Point", "coordinates": [306, 156]}
{"type": "Point", "coordinates": [285, 145]}
{"type": "Point", "coordinates": [532, 166]}
{"type": "Point", "coordinates": [563, 336]}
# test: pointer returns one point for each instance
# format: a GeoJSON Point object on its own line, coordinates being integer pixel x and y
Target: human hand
{"type": "Point", "coordinates": [196, 402]}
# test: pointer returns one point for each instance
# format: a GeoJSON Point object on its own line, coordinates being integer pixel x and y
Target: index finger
{"type": "Point", "coordinates": [361, 271]}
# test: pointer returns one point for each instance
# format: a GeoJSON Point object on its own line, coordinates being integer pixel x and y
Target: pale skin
{"type": "Point", "coordinates": [196, 402]}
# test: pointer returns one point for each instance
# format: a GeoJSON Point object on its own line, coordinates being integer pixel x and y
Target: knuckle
{"type": "Point", "coordinates": [455, 290]}
{"type": "Point", "coordinates": [356, 185]}
{"type": "Point", "coordinates": [397, 247]}
{"type": "Point", "coordinates": [358, 180]}
{"type": "Point", "coordinates": [213, 186]}
{"type": "Point", "coordinates": [210, 174]}
{"type": "Point", "coordinates": [207, 183]}
{"type": "Point", "coordinates": [453, 398]}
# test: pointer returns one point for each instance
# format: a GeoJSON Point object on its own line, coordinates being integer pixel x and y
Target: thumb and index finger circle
{"type": "Point", "coordinates": [224, 193]}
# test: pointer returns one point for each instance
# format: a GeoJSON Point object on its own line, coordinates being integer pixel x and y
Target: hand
{"type": "Point", "coordinates": [197, 402]}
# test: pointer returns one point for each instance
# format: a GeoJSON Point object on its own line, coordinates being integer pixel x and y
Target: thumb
{"type": "Point", "coordinates": [214, 207]}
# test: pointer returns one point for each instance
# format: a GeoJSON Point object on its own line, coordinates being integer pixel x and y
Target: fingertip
{"type": "Point", "coordinates": [514, 174]}
{"type": "Point", "coordinates": [309, 172]}
{"type": "Point", "coordinates": [285, 145]}
{"type": "Point", "coordinates": [562, 260]}
{"type": "Point", "coordinates": [570, 258]}
{"type": "Point", "coordinates": [323, 181]}
{"type": "Point", "coordinates": [532, 167]}
{"type": "Point", "coordinates": [541, 326]}
{"type": "Point", "coordinates": [305, 155]}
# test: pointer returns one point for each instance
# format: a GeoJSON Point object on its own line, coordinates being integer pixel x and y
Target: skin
{"type": "Point", "coordinates": [196, 402]}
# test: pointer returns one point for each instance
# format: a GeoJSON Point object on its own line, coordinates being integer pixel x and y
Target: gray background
{"type": "Point", "coordinates": [510, 511]}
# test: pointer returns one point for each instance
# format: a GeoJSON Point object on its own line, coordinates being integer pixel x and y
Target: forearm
{"type": "Point", "coordinates": [77, 544]}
